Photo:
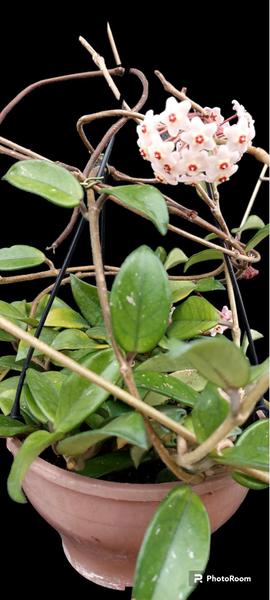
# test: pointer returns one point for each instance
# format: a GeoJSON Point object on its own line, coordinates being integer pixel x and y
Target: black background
{"type": "Point", "coordinates": [219, 51]}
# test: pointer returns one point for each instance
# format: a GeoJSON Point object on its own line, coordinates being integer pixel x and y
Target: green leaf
{"type": "Point", "coordinates": [219, 361]}
{"type": "Point", "coordinates": [47, 335]}
{"type": "Point", "coordinates": [209, 285]}
{"type": "Point", "coordinates": [9, 362]}
{"type": "Point", "coordinates": [129, 426]}
{"type": "Point", "coordinates": [181, 289]}
{"type": "Point", "coordinates": [73, 339]}
{"type": "Point", "coordinates": [258, 370]}
{"type": "Point", "coordinates": [209, 412]}
{"type": "Point", "coordinates": [46, 179]}
{"type": "Point", "coordinates": [65, 317]}
{"type": "Point", "coordinates": [256, 335]}
{"type": "Point", "coordinates": [211, 236]}
{"type": "Point", "coordinates": [20, 257]}
{"type": "Point", "coordinates": [44, 392]}
{"type": "Point", "coordinates": [193, 317]}
{"type": "Point", "coordinates": [86, 297]}
{"type": "Point", "coordinates": [176, 543]}
{"type": "Point", "coordinates": [203, 256]}
{"type": "Point", "coordinates": [252, 222]}
{"type": "Point", "coordinates": [107, 463]}
{"type": "Point", "coordinates": [78, 397]}
{"type": "Point", "coordinates": [11, 312]}
{"type": "Point", "coordinates": [97, 333]}
{"type": "Point", "coordinates": [161, 253]}
{"type": "Point", "coordinates": [174, 258]}
{"type": "Point", "coordinates": [145, 200]}
{"type": "Point", "coordinates": [166, 385]}
{"type": "Point", "coordinates": [257, 238]}
{"type": "Point", "coordinates": [251, 448]}
{"type": "Point", "coordinates": [30, 449]}
{"type": "Point", "coordinates": [249, 482]}
{"type": "Point", "coordinates": [10, 427]}
{"type": "Point", "coordinates": [191, 377]}
{"type": "Point", "coordinates": [140, 301]}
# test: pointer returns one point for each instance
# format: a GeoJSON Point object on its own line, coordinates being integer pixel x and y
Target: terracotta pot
{"type": "Point", "coordinates": [102, 524]}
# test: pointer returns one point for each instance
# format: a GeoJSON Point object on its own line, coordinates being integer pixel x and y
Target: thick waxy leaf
{"type": "Point", "coordinates": [174, 258]}
{"type": "Point", "coordinates": [46, 179]}
{"type": "Point", "coordinates": [252, 222]}
{"type": "Point", "coordinates": [193, 317]}
{"type": "Point", "coordinates": [44, 392]}
{"type": "Point", "coordinates": [146, 200]}
{"type": "Point", "coordinates": [209, 412]}
{"type": "Point", "coordinates": [167, 385]}
{"type": "Point", "coordinates": [256, 335]}
{"type": "Point", "coordinates": [161, 253]}
{"type": "Point", "coordinates": [140, 301]}
{"type": "Point", "coordinates": [30, 449]}
{"type": "Point", "coordinates": [251, 448]}
{"type": "Point", "coordinates": [176, 542]}
{"type": "Point", "coordinates": [249, 482]}
{"type": "Point", "coordinates": [129, 426]}
{"type": "Point", "coordinates": [191, 377]}
{"type": "Point", "coordinates": [181, 289]}
{"type": "Point", "coordinates": [86, 297]}
{"type": "Point", "coordinates": [65, 317]}
{"type": "Point", "coordinates": [203, 256]}
{"type": "Point", "coordinates": [78, 397]}
{"type": "Point", "coordinates": [257, 238]}
{"type": "Point", "coordinates": [10, 427]}
{"type": "Point", "coordinates": [259, 370]}
{"type": "Point", "coordinates": [219, 361]}
{"type": "Point", "coordinates": [47, 335]}
{"type": "Point", "coordinates": [20, 257]}
{"type": "Point", "coordinates": [107, 463]}
{"type": "Point", "coordinates": [73, 339]}
{"type": "Point", "coordinates": [209, 285]}
{"type": "Point", "coordinates": [11, 312]}
{"type": "Point", "coordinates": [8, 362]}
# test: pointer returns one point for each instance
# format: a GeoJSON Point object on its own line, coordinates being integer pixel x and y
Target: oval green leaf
{"type": "Point", "coordinates": [65, 317]}
{"type": "Point", "coordinates": [176, 542]}
{"type": "Point", "coordinates": [20, 257]}
{"type": "Point", "coordinates": [140, 301]}
{"type": "Point", "coordinates": [73, 339]}
{"type": "Point", "coordinates": [174, 258]}
{"type": "Point", "coordinates": [10, 427]}
{"type": "Point", "coordinates": [145, 200]}
{"type": "Point", "coordinates": [249, 482]}
{"type": "Point", "coordinates": [252, 222]}
{"type": "Point", "coordinates": [257, 238]}
{"type": "Point", "coordinates": [181, 289]}
{"type": "Point", "coordinates": [193, 317]}
{"type": "Point", "coordinates": [166, 385]}
{"type": "Point", "coordinates": [203, 256]}
{"type": "Point", "coordinates": [209, 284]}
{"type": "Point", "coordinates": [46, 179]}
{"type": "Point", "coordinates": [86, 297]}
{"type": "Point", "coordinates": [209, 412]}
{"type": "Point", "coordinates": [251, 448]}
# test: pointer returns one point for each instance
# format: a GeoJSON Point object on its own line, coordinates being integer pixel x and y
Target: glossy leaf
{"type": "Point", "coordinates": [191, 377]}
{"type": "Point", "coordinates": [11, 312]}
{"type": "Point", "coordinates": [252, 222]}
{"type": "Point", "coordinates": [20, 257]}
{"type": "Point", "coordinates": [209, 285]}
{"type": "Point", "coordinates": [193, 317]}
{"type": "Point", "coordinates": [181, 289]}
{"type": "Point", "coordinates": [256, 335]}
{"type": "Point", "coordinates": [47, 335]}
{"type": "Point", "coordinates": [78, 397]}
{"type": "Point", "coordinates": [97, 333]}
{"type": "Point", "coordinates": [166, 385]}
{"type": "Point", "coordinates": [73, 339]}
{"type": "Point", "coordinates": [203, 256]}
{"type": "Point", "coordinates": [144, 199]}
{"type": "Point", "coordinates": [86, 297]}
{"type": "Point", "coordinates": [32, 446]}
{"type": "Point", "coordinates": [140, 301]}
{"type": "Point", "coordinates": [107, 463]}
{"type": "Point", "coordinates": [46, 179]}
{"type": "Point", "coordinates": [251, 448]}
{"type": "Point", "coordinates": [10, 427]}
{"type": "Point", "coordinates": [129, 426]}
{"type": "Point", "coordinates": [209, 412]}
{"type": "Point", "coordinates": [65, 317]}
{"type": "Point", "coordinates": [257, 238]}
{"type": "Point", "coordinates": [176, 543]}
{"type": "Point", "coordinates": [219, 361]}
{"type": "Point", "coordinates": [174, 258]}
{"type": "Point", "coordinates": [161, 253]}
{"type": "Point", "coordinates": [249, 482]}
{"type": "Point", "coordinates": [257, 371]}
{"type": "Point", "coordinates": [9, 363]}
{"type": "Point", "coordinates": [44, 392]}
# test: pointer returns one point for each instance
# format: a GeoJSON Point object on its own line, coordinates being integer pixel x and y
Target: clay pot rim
{"type": "Point", "coordinates": [110, 489]}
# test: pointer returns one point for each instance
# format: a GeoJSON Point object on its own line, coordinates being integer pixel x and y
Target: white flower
{"type": "Point", "coordinates": [221, 165]}
{"type": "Point", "coordinates": [200, 135]}
{"type": "Point", "coordinates": [239, 136]}
{"type": "Point", "coordinates": [167, 169]}
{"type": "Point", "coordinates": [147, 130]}
{"type": "Point", "coordinates": [175, 116]}
{"type": "Point", "coordinates": [225, 315]}
{"type": "Point", "coordinates": [214, 114]}
{"type": "Point", "coordinates": [160, 151]}
{"type": "Point", "coordinates": [192, 162]}
{"type": "Point", "coordinates": [239, 108]}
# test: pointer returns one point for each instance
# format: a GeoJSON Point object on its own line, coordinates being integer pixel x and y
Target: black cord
{"type": "Point", "coordinates": [15, 411]}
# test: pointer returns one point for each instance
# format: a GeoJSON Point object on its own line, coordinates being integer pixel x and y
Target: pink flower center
{"type": "Point", "coordinates": [242, 139]}
{"type": "Point", "coordinates": [143, 153]}
{"type": "Point", "coordinates": [167, 168]}
{"type": "Point", "coordinates": [172, 118]}
{"type": "Point", "coordinates": [192, 168]}
{"type": "Point", "coordinates": [199, 139]}
{"type": "Point", "coordinates": [157, 155]}
{"type": "Point", "coordinates": [143, 129]}
{"type": "Point", "coordinates": [224, 165]}
{"type": "Point", "coordinates": [223, 179]}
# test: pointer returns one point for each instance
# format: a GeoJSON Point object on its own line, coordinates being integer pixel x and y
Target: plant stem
{"type": "Point", "coordinates": [260, 475]}
{"type": "Point", "coordinates": [113, 389]}
{"type": "Point", "coordinates": [236, 332]}
{"type": "Point", "coordinates": [253, 196]}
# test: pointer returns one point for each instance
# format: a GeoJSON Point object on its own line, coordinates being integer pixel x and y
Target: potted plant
{"type": "Point", "coordinates": [141, 379]}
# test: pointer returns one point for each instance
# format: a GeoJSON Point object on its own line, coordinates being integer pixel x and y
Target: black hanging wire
{"type": "Point", "coordinates": [15, 411]}
{"type": "Point", "coordinates": [241, 307]}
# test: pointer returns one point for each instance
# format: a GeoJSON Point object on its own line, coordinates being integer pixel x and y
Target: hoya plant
{"type": "Point", "coordinates": [141, 368]}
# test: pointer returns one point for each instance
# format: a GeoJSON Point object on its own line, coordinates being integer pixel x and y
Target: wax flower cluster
{"type": "Point", "coordinates": [185, 145]}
